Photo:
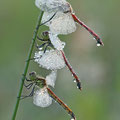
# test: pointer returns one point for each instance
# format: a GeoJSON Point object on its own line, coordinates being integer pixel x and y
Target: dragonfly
{"type": "Point", "coordinates": [64, 22]}
{"type": "Point", "coordinates": [60, 57]}
{"type": "Point", "coordinates": [43, 95]}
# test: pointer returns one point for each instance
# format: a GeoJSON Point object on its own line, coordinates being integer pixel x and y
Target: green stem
{"type": "Point", "coordinates": [27, 65]}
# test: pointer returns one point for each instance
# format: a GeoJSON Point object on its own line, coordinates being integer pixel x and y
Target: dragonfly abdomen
{"type": "Point", "coordinates": [60, 102]}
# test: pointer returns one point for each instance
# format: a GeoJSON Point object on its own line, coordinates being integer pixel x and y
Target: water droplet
{"type": "Point", "coordinates": [40, 48]}
{"type": "Point", "coordinates": [74, 81]}
{"type": "Point", "coordinates": [98, 44]}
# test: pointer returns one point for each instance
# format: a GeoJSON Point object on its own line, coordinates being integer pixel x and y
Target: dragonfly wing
{"type": "Point", "coordinates": [56, 42]}
{"type": "Point", "coordinates": [46, 17]}
{"type": "Point", "coordinates": [51, 78]}
{"type": "Point", "coordinates": [51, 60]}
{"type": "Point", "coordinates": [52, 5]}
{"type": "Point", "coordinates": [62, 23]}
{"type": "Point", "coordinates": [41, 98]}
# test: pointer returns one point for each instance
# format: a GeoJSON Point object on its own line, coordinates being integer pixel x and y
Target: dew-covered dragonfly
{"type": "Point", "coordinates": [60, 18]}
{"type": "Point", "coordinates": [42, 94]}
{"type": "Point", "coordinates": [54, 59]}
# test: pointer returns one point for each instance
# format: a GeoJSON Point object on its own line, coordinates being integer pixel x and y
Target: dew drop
{"type": "Point", "coordinates": [98, 44]}
{"type": "Point", "coordinates": [40, 48]}
{"type": "Point", "coordinates": [74, 81]}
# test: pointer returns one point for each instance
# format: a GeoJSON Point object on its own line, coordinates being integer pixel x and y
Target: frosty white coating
{"type": "Point", "coordinates": [56, 42]}
{"type": "Point", "coordinates": [51, 59]}
{"type": "Point", "coordinates": [72, 119]}
{"type": "Point", "coordinates": [47, 16]}
{"type": "Point", "coordinates": [51, 78]}
{"type": "Point", "coordinates": [41, 98]}
{"type": "Point", "coordinates": [52, 5]}
{"type": "Point", "coordinates": [61, 23]}
{"type": "Point", "coordinates": [38, 55]}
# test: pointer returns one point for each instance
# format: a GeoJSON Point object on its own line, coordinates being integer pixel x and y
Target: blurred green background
{"type": "Point", "coordinates": [97, 67]}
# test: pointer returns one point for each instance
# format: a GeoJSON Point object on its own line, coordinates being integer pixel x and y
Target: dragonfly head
{"type": "Point", "coordinates": [68, 8]}
{"type": "Point", "coordinates": [32, 75]}
{"type": "Point", "coordinates": [45, 35]}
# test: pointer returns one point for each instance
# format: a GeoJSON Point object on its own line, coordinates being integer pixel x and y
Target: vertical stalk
{"type": "Point", "coordinates": [27, 65]}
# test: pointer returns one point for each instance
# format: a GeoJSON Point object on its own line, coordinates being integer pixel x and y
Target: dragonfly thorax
{"type": "Point", "coordinates": [41, 82]}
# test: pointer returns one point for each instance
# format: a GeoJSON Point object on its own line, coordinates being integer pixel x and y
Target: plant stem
{"type": "Point", "coordinates": [27, 65]}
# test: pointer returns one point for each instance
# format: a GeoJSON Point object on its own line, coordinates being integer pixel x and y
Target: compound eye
{"type": "Point", "coordinates": [32, 73]}
{"type": "Point", "coordinates": [45, 33]}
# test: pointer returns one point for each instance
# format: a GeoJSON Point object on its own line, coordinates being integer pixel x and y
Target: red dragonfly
{"type": "Point", "coordinates": [46, 38]}
{"type": "Point", "coordinates": [42, 94]}
{"type": "Point", "coordinates": [63, 17]}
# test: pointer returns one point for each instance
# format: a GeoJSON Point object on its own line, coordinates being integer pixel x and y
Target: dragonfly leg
{"type": "Point", "coordinates": [26, 78]}
{"type": "Point", "coordinates": [30, 95]}
{"type": "Point", "coordinates": [46, 47]}
{"type": "Point", "coordinates": [48, 20]}
{"type": "Point", "coordinates": [40, 39]}
{"type": "Point", "coordinates": [40, 46]}
{"type": "Point", "coordinates": [37, 46]}
{"type": "Point", "coordinates": [29, 85]}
